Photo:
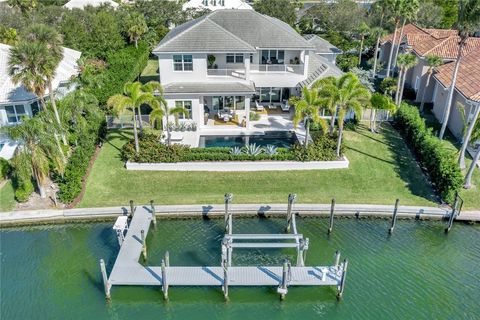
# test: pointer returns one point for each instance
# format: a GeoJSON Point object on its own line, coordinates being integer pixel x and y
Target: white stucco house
{"type": "Point", "coordinates": [229, 62]}
{"type": "Point", "coordinates": [81, 4]}
{"type": "Point", "coordinates": [17, 102]}
{"type": "Point", "coordinates": [216, 4]}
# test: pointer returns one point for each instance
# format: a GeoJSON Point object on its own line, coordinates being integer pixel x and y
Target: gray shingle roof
{"type": "Point", "coordinates": [209, 88]}
{"type": "Point", "coordinates": [232, 30]}
{"type": "Point", "coordinates": [321, 45]}
{"type": "Point", "coordinates": [319, 67]}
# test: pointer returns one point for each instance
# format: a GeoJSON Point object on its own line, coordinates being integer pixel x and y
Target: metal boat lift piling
{"type": "Point", "coordinates": [127, 269]}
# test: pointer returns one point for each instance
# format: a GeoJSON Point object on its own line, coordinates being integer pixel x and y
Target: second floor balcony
{"type": "Point", "coordinates": [233, 72]}
{"type": "Point", "coordinates": [277, 68]}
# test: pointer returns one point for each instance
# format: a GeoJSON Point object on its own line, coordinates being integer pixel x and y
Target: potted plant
{"type": "Point", "coordinates": [211, 61]}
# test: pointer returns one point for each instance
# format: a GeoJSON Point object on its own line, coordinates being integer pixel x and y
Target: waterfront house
{"type": "Point", "coordinates": [17, 102]}
{"type": "Point", "coordinates": [229, 62]}
{"type": "Point", "coordinates": [81, 4]}
{"type": "Point", "coordinates": [216, 5]}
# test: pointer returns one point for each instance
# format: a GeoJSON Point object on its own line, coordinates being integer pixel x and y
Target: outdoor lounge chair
{"type": "Point", "coordinates": [272, 106]}
{"type": "Point", "coordinates": [258, 106]}
{"type": "Point", "coordinates": [285, 106]}
{"type": "Point", "coordinates": [176, 136]}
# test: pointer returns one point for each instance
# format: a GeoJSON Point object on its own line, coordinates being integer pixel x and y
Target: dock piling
{"type": "Point", "coordinates": [394, 216]}
{"type": "Point", "coordinates": [132, 209]}
{"type": "Point", "coordinates": [228, 215]}
{"type": "Point", "coordinates": [291, 200]}
{"type": "Point", "coordinates": [225, 279]}
{"type": "Point", "coordinates": [144, 245]}
{"type": "Point", "coordinates": [337, 258]}
{"type": "Point", "coordinates": [106, 283]}
{"type": "Point", "coordinates": [154, 218]}
{"type": "Point", "coordinates": [282, 288]}
{"type": "Point", "coordinates": [164, 280]}
{"type": "Point", "coordinates": [332, 211]}
{"type": "Point", "coordinates": [451, 218]}
{"type": "Point", "coordinates": [344, 276]}
{"type": "Point", "coordinates": [167, 259]}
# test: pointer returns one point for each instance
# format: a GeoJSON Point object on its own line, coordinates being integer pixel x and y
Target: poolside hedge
{"type": "Point", "coordinates": [437, 160]}
{"type": "Point", "coordinates": [323, 148]}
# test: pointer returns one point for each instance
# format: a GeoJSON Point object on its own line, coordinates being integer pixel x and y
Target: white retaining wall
{"type": "Point", "coordinates": [233, 166]}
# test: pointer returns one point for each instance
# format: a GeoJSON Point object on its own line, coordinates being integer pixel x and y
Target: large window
{"type": "Point", "coordinates": [182, 62]}
{"type": "Point", "coordinates": [234, 57]}
{"type": "Point", "coordinates": [231, 102]}
{"type": "Point", "coordinates": [186, 104]}
{"type": "Point", "coordinates": [273, 56]}
{"type": "Point", "coordinates": [15, 113]}
{"type": "Point", "coordinates": [273, 95]}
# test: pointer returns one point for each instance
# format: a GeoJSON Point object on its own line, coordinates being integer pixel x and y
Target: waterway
{"type": "Point", "coordinates": [418, 273]}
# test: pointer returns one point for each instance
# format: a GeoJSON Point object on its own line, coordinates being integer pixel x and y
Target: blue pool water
{"type": "Point", "coordinates": [279, 139]}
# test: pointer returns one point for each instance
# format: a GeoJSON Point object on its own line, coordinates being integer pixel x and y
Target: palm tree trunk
{"type": "Point", "coordinates": [42, 103]}
{"type": "Point", "coordinates": [466, 139]}
{"type": "Point", "coordinates": [307, 132]}
{"type": "Point", "coordinates": [140, 119]}
{"type": "Point", "coordinates": [375, 58]}
{"type": "Point", "coordinates": [448, 105]}
{"type": "Point", "coordinates": [392, 48]}
{"type": "Point", "coordinates": [429, 74]}
{"type": "Point", "coordinates": [398, 86]}
{"type": "Point", "coordinates": [339, 140]}
{"type": "Point", "coordinates": [371, 120]}
{"type": "Point", "coordinates": [400, 96]}
{"type": "Point", "coordinates": [468, 177]}
{"type": "Point", "coordinates": [136, 43]}
{"type": "Point", "coordinates": [375, 120]}
{"type": "Point", "coordinates": [169, 135]}
{"type": "Point", "coordinates": [55, 110]}
{"type": "Point", "coordinates": [399, 41]}
{"type": "Point", "coordinates": [332, 121]}
{"type": "Point", "coordinates": [41, 189]}
{"type": "Point", "coordinates": [135, 134]}
{"type": "Point", "coordinates": [360, 52]}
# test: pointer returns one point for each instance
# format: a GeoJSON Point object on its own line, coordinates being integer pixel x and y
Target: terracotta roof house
{"type": "Point", "coordinates": [466, 95]}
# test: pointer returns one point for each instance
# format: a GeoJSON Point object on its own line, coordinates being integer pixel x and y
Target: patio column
{"type": "Point", "coordinates": [247, 112]}
{"type": "Point", "coordinates": [246, 61]}
{"type": "Point", "coordinates": [305, 62]}
{"type": "Point", "coordinates": [199, 116]}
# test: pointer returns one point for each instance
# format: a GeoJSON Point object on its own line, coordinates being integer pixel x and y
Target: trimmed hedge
{"type": "Point", "coordinates": [439, 162]}
{"type": "Point", "coordinates": [151, 150]}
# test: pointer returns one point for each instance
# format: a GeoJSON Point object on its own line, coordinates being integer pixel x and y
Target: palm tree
{"type": "Point", "coordinates": [468, 20]}
{"type": "Point", "coordinates": [408, 11]}
{"type": "Point", "coordinates": [384, 6]}
{"type": "Point", "coordinates": [472, 125]}
{"type": "Point", "coordinates": [26, 66]}
{"type": "Point", "coordinates": [363, 31]}
{"type": "Point", "coordinates": [327, 101]}
{"type": "Point", "coordinates": [349, 95]}
{"type": "Point", "coordinates": [307, 109]}
{"type": "Point", "coordinates": [396, 13]}
{"type": "Point", "coordinates": [405, 62]}
{"type": "Point", "coordinates": [379, 101]}
{"type": "Point", "coordinates": [475, 137]}
{"type": "Point", "coordinates": [25, 6]}
{"type": "Point", "coordinates": [39, 147]}
{"type": "Point", "coordinates": [136, 27]}
{"type": "Point", "coordinates": [432, 62]}
{"type": "Point", "coordinates": [132, 98]}
{"type": "Point", "coordinates": [49, 37]}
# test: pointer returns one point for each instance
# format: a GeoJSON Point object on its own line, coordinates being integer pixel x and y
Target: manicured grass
{"type": "Point", "coordinates": [150, 73]}
{"type": "Point", "coordinates": [7, 197]}
{"type": "Point", "coordinates": [381, 170]}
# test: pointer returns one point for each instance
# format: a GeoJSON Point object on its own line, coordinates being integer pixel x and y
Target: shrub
{"type": "Point", "coordinates": [4, 168]}
{"type": "Point", "coordinates": [23, 191]}
{"type": "Point", "coordinates": [439, 162]}
{"type": "Point", "coordinates": [254, 116]}
{"type": "Point", "coordinates": [322, 148]}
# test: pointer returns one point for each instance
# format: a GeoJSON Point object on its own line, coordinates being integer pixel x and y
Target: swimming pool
{"type": "Point", "coordinates": [279, 139]}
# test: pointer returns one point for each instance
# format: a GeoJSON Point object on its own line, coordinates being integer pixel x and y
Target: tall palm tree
{"type": "Point", "coordinates": [408, 11]}
{"type": "Point", "coordinates": [136, 27]}
{"type": "Point", "coordinates": [327, 101]}
{"type": "Point", "coordinates": [473, 126]}
{"type": "Point", "coordinates": [39, 147]}
{"type": "Point", "coordinates": [405, 62]}
{"type": "Point", "coordinates": [432, 62]}
{"type": "Point", "coordinates": [161, 112]}
{"type": "Point", "coordinates": [384, 6]}
{"type": "Point", "coordinates": [349, 95]}
{"type": "Point", "coordinates": [52, 40]}
{"type": "Point", "coordinates": [379, 101]}
{"type": "Point", "coordinates": [132, 98]}
{"type": "Point", "coordinates": [468, 20]}
{"type": "Point", "coordinates": [363, 31]}
{"type": "Point", "coordinates": [474, 137]}
{"type": "Point", "coordinates": [26, 66]}
{"type": "Point", "coordinates": [396, 14]}
{"type": "Point", "coordinates": [307, 109]}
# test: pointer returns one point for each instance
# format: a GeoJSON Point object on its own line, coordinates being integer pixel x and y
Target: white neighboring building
{"type": "Point", "coordinates": [16, 102]}
{"type": "Point", "coordinates": [216, 4]}
{"type": "Point", "coordinates": [81, 4]}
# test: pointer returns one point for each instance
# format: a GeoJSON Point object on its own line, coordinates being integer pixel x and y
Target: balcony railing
{"type": "Point", "coordinates": [236, 73]}
{"type": "Point", "coordinates": [278, 68]}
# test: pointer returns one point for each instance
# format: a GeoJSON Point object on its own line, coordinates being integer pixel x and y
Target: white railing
{"type": "Point", "coordinates": [279, 68]}
{"type": "Point", "coordinates": [236, 73]}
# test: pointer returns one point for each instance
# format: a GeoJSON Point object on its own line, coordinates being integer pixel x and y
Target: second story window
{"type": "Point", "coordinates": [234, 57]}
{"type": "Point", "coordinates": [182, 62]}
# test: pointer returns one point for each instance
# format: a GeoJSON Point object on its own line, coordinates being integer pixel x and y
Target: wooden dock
{"type": "Point", "coordinates": [128, 270]}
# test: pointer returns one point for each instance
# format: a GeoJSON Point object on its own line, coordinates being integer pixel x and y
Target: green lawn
{"type": "Point", "coordinates": [7, 197]}
{"type": "Point", "coordinates": [150, 73]}
{"type": "Point", "coordinates": [381, 170]}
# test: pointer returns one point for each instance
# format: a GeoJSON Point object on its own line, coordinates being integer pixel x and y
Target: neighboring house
{"type": "Point", "coordinates": [424, 42]}
{"type": "Point", "coordinates": [466, 95]}
{"type": "Point", "coordinates": [216, 4]}
{"type": "Point", "coordinates": [81, 4]}
{"type": "Point", "coordinates": [323, 48]}
{"type": "Point", "coordinates": [236, 60]}
{"type": "Point", "coordinates": [16, 102]}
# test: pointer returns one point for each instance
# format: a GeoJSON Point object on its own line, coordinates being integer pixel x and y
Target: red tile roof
{"type": "Point", "coordinates": [468, 77]}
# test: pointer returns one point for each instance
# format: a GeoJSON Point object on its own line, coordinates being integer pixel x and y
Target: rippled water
{"type": "Point", "coordinates": [418, 273]}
